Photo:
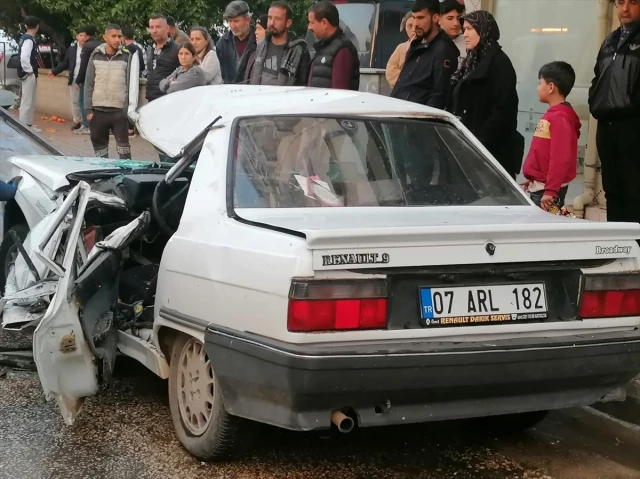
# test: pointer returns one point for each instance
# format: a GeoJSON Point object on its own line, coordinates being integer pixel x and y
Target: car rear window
{"type": "Point", "coordinates": [299, 162]}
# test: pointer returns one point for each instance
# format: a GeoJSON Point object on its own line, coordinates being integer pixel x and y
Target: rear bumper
{"type": "Point", "coordinates": [297, 387]}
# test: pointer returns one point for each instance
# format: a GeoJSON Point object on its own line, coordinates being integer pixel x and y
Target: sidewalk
{"type": "Point", "coordinates": [60, 136]}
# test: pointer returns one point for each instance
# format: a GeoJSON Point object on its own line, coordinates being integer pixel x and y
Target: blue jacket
{"type": "Point", "coordinates": [234, 67]}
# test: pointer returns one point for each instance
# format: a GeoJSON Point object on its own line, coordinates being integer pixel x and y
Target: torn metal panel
{"type": "Point", "coordinates": [104, 199]}
{"type": "Point", "coordinates": [20, 276]}
{"type": "Point", "coordinates": [66, 365]}
{"type": "Point", "coordinates": [27, 307]}
{"type": "Point", "coordinates": [144, 352]}
{"type": "Point", "coordinates": [123, 236]}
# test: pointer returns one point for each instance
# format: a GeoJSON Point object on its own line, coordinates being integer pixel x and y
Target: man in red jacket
{"type": "Point", "coordinates": [552, 160]}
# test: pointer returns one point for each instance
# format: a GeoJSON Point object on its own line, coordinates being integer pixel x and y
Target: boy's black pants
{"type": "Point", "coordinates": [99, 127]}
{"type": "Point", "coordinates": [618, 145]}
{"type": "Point", "coordinates": [537, 196]}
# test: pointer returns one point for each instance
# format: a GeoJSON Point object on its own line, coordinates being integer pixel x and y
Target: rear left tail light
{"type": "Point", "coordinates": [611, 296]}
{"type": "Point", "coordinates": [337, 305]}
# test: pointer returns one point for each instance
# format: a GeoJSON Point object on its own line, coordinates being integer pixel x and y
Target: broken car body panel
{"type": "Point", "coordinates": [122, 281]}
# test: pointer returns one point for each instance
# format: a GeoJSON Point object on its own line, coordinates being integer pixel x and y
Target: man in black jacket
{"type": "Point", "coordinates": [129, 41]}
{"type": "Point", "coordinates": [431, 60]}
{"type": "Point", "coordinates": [237, 46]}
{"type": "Point", "coordinates": [162, 56]}
{"type": "Point", "coordinates": [336, 63]}
{"type": "Point", "coordinates": [87, 49]}
{"type": "Point", "coordinates": [614, 100]}
{"type": "Point", "coordinates": [71, 63]}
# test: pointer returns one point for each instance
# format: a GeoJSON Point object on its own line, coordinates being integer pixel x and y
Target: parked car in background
{"type": "Point", "coordinates": [9, 61]}
{"type": "Point", "coordinates": [315, 259]}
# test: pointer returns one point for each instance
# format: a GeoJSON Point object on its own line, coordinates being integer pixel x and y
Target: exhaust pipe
{"type": "Point", "coordinates": [344, 423]}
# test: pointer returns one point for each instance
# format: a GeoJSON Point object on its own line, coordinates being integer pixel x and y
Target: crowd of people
{"type": "Point", "coordinates": [104, 75]}
{"type": "Point", "coordinates": [452, 60]}
{"type": "Point", "coordinates": [477, 83]}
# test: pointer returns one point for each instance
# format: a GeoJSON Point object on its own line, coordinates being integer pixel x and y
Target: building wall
{"type": "Point", "coordinates": [53, 95]}
{"type": "Point", "coordinates": [535, 33]}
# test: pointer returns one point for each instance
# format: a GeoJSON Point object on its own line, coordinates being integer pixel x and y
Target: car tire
{"type": "Point", "coordinates": [511, 423]}
{"type": "Point", "coordinates": [7, 250]}
{"type": "Point", "coordinates": [222, 436]}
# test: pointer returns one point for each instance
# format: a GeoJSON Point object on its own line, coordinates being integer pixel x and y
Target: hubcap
{"type": "Point", "coordinates": [195, 387]}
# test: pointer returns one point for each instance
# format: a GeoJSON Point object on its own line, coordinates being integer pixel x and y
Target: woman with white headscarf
{"type": "Point", "coordinates": [206, 52]}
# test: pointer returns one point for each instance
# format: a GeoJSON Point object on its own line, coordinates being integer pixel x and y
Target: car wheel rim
{"type": "Point", "coordinates": [195, 387]}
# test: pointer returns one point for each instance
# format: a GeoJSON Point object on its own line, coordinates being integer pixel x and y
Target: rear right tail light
{"type": "Point", "coordinates": [337, 305]}
{"type": "Point", "coordinates": [611, 296]}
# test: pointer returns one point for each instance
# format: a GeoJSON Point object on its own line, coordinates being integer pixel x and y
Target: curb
{"type": "Point", "coordinates": [627, 410]}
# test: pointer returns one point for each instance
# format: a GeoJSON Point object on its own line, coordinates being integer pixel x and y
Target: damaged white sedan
{"type": "Point", "coordinates": [314, 257]}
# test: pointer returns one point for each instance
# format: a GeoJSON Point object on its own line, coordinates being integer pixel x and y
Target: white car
{"type": "Point", "coordinates": [315, 257]}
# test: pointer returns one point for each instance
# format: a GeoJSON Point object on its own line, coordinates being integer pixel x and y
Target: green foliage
{"type": "Point", "coordinates": [60, 17]}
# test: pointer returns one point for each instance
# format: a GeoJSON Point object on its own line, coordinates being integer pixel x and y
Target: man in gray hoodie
{"type": "Point", "coordinates": [281, 58]}
{"type": "Point", "coordinates": [111, 91]}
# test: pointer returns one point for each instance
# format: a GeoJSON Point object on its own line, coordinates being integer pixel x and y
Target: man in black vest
{"type": "Point", "coordinates": [336, 63]}
{"type": "Point", "coordinates": [28, 70]}
{"type": "Point", "coordinates": [432, 58]}
{"type": "Point", "coordinates": [162, 56]}
{"type": "Point", "coordinates": [614, 100]}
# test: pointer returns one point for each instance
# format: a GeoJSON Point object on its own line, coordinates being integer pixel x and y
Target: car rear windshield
{"type": "Point", "coordinates": [300, 162]}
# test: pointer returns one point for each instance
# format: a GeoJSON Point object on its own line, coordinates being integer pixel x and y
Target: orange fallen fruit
{"type": "Point", "coordinates": [61, 120]}
{"type": "Point", "coordinates": [54, 118]}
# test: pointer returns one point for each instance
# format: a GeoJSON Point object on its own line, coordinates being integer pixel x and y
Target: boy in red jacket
{"type": "Point", "coordinates": [551, 163]}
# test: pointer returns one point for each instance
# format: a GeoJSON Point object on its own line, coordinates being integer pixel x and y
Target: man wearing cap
{"type": "Point", "coordinates": [237, 45]}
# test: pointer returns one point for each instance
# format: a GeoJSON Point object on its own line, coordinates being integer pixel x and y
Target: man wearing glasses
{"type": "Point", "coordinates": [614, 100]}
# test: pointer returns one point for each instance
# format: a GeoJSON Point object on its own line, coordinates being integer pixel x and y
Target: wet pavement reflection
{"type": "Point", "coordinates": [126, 432]}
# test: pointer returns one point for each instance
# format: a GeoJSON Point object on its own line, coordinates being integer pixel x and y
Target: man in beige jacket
{"type": "Point", "coordinates": [396, 61]}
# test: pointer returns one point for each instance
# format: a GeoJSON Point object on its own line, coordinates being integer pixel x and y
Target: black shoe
{"type": "Point", "coordinates": [76, 126]}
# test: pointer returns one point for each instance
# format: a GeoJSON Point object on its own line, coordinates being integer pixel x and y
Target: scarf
{"type": "Point", "coordinates": [487, 27]}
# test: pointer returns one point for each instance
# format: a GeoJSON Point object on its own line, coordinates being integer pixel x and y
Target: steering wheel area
{"type": "Point", "coordinates": [168, 202]}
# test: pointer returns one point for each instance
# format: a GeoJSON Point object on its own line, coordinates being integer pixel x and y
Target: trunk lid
{"type": "Point", "coordinates": [364, 238]}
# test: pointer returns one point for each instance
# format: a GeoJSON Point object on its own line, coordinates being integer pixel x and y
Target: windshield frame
{"type": "Point", "coordinates": [231, 160]}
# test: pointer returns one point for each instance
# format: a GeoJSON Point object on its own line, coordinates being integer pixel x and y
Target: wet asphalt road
{"type": "Point", "coordinates": [126, 432]}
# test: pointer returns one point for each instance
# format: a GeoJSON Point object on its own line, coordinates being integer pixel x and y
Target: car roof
{"type": "Point", "coordinates": [171, 122]}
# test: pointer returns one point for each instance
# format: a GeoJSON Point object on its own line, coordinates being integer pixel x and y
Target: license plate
{"type": "Point", "coordinates": [481, 305]}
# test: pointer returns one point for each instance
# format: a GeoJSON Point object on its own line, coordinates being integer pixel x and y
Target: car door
{"type": "Point", "coordinates": [75, 343]}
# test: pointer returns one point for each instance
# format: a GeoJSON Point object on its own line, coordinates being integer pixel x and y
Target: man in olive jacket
{"type": "Point", "coordinates": [281, 58]}
{"type": "Point", "coordinates": [111, 86]}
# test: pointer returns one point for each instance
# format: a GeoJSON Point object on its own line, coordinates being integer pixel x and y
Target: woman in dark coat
{"type": "Point", "coordinates": [484, 92]}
